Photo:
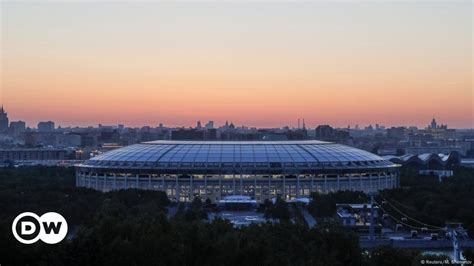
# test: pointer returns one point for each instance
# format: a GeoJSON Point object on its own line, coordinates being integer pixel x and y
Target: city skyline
{"type": "Point", "coordinates": [257, 64]}
{"type": "Point", "coordinates": [300, 124]}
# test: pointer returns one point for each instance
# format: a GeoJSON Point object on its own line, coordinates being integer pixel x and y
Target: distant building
{"type": "Point", "coordinates": [211, 134]}
{"type": "Point", "coordinates": [3, 120]}
{"type": "Point", "coordinates": [17, 127]}
{"type": "Point", "coordinates": [275, 136]}
{"type": "Point", "coordinates": [17, 155]}
{"type": "Point", "coordinates": [187, 134]}
{"type": "Point", "coordinates": [435, 150]}
{"type": "Point", "coordinates": [210, 125]}
{"type": "Point", "coordinates": [427, 161]}
{"type": "Point", "coordinates": [46, 126]}
{"type": "Point", "coordinates": [356, 215]}
{"type": "Point", "coordinates": [110, 136]}
{"type": "Point", "coordinates": [89, 140]}
{"type": "Point", "coordinates": [390, 151]}
{"type": "Point", "coordinates": [439, 173]}
{"type": "Point", "coordinates": [69, 140]}
{"type": "Point", "coordinates": [327, 133]}
{"type": "Point", "coordinates": [396, 133]}
{"type": "Point", "coordinates": [433, 124]}
{"type": "Point", "coordinates": [324, 132]}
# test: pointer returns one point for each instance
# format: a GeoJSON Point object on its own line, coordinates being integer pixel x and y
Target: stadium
{"type": "Point", "coordinates": [257, 169]}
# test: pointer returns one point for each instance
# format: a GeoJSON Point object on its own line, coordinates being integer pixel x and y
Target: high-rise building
{"type": "Point", "coordinates": [398, 133]}
{"type": "Point", "coordinates": [46, 126]}
{"type": "Point", "coordinates": [324, 132]}
{"type": "Point", "coordinates": [433, 124]}
{"type": "Point", "coordinates": [210, 125]}
{"type": "Point", "coordinates": [17, 127]}
{"type": "Point", "coordinates": [3, 121]}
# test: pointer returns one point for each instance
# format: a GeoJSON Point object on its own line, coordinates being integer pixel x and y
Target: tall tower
{"type": "Point", "coordinates": [3, 121]}
{"type": "Point", "coordinates": [433, 124]}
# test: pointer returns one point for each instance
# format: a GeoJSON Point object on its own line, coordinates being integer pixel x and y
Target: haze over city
{"type": "Point", "coordinates": [258, 64]}
{"type": "Point", "coordinates": [302, 132]}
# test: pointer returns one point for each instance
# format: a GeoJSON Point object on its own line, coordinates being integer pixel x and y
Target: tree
{"type": "Point", "coordinates": [195, 211]}
{"type": "Point", "coordinates": [468, 254]}
{"type": "Point", "coordinates": [389, 256]}
{"type": "Point", "coordinates": [324, 205]}
{"type": "Point", "coordinates": [279, 210]}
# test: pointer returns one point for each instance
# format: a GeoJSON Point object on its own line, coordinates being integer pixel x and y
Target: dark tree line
{"type": "Point", "coordinates": [130, 227]}
{"type": "Point", "coordinates": [324, 205]}
{"type": "Point", "coordinates": [426, 199]}
{"type": "Point", "coordinates": [277, 211]}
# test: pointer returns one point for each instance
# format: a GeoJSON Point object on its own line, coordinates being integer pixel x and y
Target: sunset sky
{"type": "Point", "coordinates": [260, 64]}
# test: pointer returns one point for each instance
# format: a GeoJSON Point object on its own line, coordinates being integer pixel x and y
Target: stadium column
{"type": "Point", "coordinates": [269, 186]}
{"type": "Point", "coordinates": [325, 183]}
{"type": "Point", "coordinates": [255, 187]}
{"type": "Point", "coordinates": [233, 184]}
{"type": "Point", "coordinates": [77, 178]}
{"type": "Point", "coordinates": [149, 181]}
{"type": "Point", "coordinates": [97, 181]}
{"type": "Point", "coordinates": [126, 180]}
{"type": "Point", "coordinates": [163, 183]}
{"type": "Point", "coordinates": [136, 180]}
{"type": "Point", "coordinates": [191, 188]}
{"type": "Point", "coordinates": [104, 186]}
{"type": "Point", "coordinates": [205, 186]}
{"type": "Point", "coordinates": [115, 181]}
{"type": "Point", "coordinates": [350, 183]}
{"type": "Point", "coordinates": [338, 182]}
{"type": "Point", "coordinates": [360, 182]}
{"type": "Point", "coordinates": [284, 187]}
{"type": "Point", "coordinates": [392, 180]}
{"type": "Point", "coordinates": [220, 186]}
{"type": "Point", "coordinates": [378, 181]}
{"type": "Point", "coordinates": [386, 181]}
{"type": "Point", "coordinates": [370, 183]}
{"type": "Point", "coordinates": [241, 185]}
{"type": "Point", "coordinates": [89, 179]}
{"type": "Point", "coordinates": [176, 189]}
{"type": "Point", "coordinates": [297, 186]}
{"type": "Point", "coordinates": [312, 183]}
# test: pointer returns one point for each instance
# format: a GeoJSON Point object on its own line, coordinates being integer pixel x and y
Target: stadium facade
{"type": "Point", "coordinates": [259, 169]}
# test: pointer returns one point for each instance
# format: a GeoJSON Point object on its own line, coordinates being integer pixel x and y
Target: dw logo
{"type": "Point", "coordinates": [28, 228]}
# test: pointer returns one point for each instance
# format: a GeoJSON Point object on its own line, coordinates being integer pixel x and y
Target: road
{"type": "Point", "coordinates": [308, 217]}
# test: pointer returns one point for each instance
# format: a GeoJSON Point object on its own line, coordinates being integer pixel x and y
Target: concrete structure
{"type": "Point", "coordinates": [467, 162]}
{"type": "Point", "coordinates": [17, 127]}
{"type": "Point", "coordinates": [259, 169]}
{"type": "Point", "coordinates": [356, 215]}
{"type": "Point", "coordinates": [19, 155]}
{"type": "Point", "coordinates": [3, 120]}
{"type": "Point", "coordinates": [47, 126]}
{"type": "Point", "coordinates": [427, 160]}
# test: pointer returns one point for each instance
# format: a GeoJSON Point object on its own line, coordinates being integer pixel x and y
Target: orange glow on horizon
{"type": "Point", "coordinates": [229, 63]}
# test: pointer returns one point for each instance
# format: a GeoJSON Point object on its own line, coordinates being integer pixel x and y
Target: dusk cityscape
{"type": "Point", "coordinates": [236, 133]}
{"type": "Point", "coordinates": [80, 143]}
